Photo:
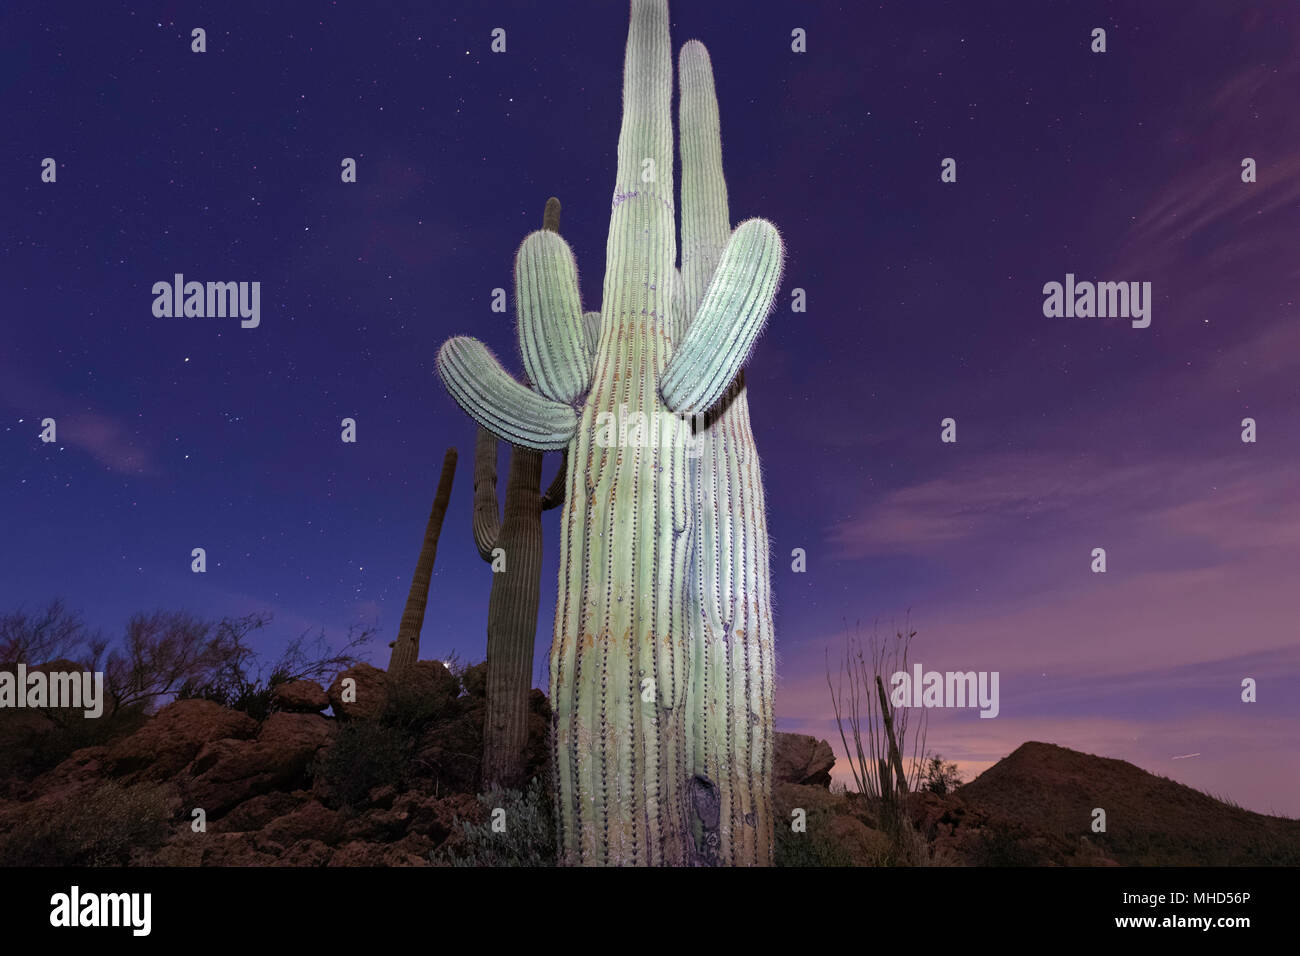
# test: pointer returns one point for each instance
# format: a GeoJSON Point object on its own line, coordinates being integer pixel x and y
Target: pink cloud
{"type": "Point", "coordinates": [104, 437]}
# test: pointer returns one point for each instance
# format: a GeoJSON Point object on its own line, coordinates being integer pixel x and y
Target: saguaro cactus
{"type": "Point", "coordinates": [626, 661]}
{"type": "Point", "coordinates": [736, 647]}
{"type": "Point", "coordinates": [516, 589]}
{"type": "Point", "coordinates": [406, 649]}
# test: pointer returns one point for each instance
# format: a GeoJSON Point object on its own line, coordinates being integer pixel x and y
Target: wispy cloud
{"type": "Point", "coordinates": [105, 437]}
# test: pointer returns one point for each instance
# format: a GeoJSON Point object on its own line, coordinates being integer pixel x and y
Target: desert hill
{"type": "Point", "coordinates": [1150, 820]}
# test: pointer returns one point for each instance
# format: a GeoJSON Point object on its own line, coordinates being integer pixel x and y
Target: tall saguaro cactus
{"type": "Point", "coordinates": [736, 648]}
{"type": "Point", "coordinates": [516, 588]}
{"type": "Point", "coordinates": [627, 660]}
{"type": "Point", "coordinates": [406, 649]}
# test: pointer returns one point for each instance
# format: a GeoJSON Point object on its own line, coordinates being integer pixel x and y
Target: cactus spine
{"type": "Point", "coordinates": [406, 649]}
{"type": "Point", "coordinates": [516, 589]}
{"type": "Point", "coordinates": [627, 661]}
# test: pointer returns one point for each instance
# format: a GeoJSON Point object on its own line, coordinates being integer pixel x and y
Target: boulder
{"type": "Point", "coordinates": [791, 796]}
{"type": "Point", "coordinates": [801, 759]}
{"type": "Point", "coordinates": [300, 697]}
{"type": "Point", "coordinates": [311, 821]}
{"type": "Point", "coordinates": [227, 772]}
{"type": "Point", "coordinates": [174, 737]}
{"type": "Point", "coordinates": [371, 693]}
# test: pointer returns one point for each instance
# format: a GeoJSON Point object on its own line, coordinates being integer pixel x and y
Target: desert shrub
{"type": "Point", "coordinates": [939, 777]}
{"type": "Point", "coordinates": [235, 689]}
{"type": "Point", "coordinates": [98, 827]}
{"type": "Point", "coordinates": [363, 755]}
{"type": "Point", "coordinates": [815, 847]}
{"type": "Point", "coordinates": [528, 838]}
{"type": "Point", "coordinates": [1003, 846]}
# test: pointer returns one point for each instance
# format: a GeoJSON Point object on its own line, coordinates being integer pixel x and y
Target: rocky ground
{"type": "Point", "coordinates": [389, 779]}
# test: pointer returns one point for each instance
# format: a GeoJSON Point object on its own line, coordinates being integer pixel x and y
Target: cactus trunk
{"type": "Point", "coordinates": [406, 649]}
{"type": "Point", "coordinates": [512, 611]}
{"type": "Point", "coordinates": [620, 659]}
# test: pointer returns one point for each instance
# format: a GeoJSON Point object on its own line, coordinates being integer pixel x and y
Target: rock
{"type": "Point", "coordinates": [228, 772]}
{"type": "Point", "coordinates": [300, 696]}
{"type": "Point", "coordinates": [436, 817]}
{"type": "Point", "coordinates": [305, 853]}
{"type": "Point", "coordinates": [174, 737]}
{"type": "Point", "coordinates": [79, 767]}
{"type": "Point", "coordinates": [415, 845]}
{"type": "Point", "coordinates": [212, 849]}
{"type": "Point", "coordinates": [790, 796]}
{"type": "Point", "coordinates": [377, 825]}
{"type": "Point", "coordinates": [357, 853]}
{"type": "Point", "coordinates": [371, 693]}
{"type": "Point", "coordinates": [311, 821]}
{"type": "Point", "coordinates": [798, 758]}
{"type": "Point", "coordinates": [257, 812]}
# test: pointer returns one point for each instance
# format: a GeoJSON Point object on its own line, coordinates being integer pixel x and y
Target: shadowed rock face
{"type": "Point", "coordinates": [167, 743]}
{"type": "Point", "coordinates": [800, 759]}
{"type": "Point", "coordinates": [300, 696]}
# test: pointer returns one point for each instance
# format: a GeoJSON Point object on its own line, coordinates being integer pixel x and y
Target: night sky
{"type": "Point", "coordinates": [924, 302]}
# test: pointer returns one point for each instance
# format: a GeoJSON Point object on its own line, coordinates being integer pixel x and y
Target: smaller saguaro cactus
{"type": "Point", "coordinates": [514, 548]}
{"type": "Point", "coordinates": [406, 649]}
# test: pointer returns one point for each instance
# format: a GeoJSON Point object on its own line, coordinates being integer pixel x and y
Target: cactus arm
{"type": "Point", "coordinates": [719, 340]}
{"type": "Point", "coordinates": [487, 393]}
{"type": "Point", "coordinates": [552, 336]}
{"type": "Point", "coordinates": [487, 516]}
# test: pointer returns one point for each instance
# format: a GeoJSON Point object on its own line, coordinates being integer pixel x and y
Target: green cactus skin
{"type": "Point", "coordinates": [516, 591]}
{"type": "Point", "coordinates": [512, 604]}
{"type": "Point", "coordinates": [406, 649]}
{"type": "Point", "coordinates": [736, 664]}
{"type": "Point", "coordinates": [635, 693]}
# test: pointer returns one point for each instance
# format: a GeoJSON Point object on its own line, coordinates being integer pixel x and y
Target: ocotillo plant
{"type": "Point", "coordinates": [626, 661]}
{"type": "Point", "coordinates": [406, 649]}
{"type": "Point", "coordinates": [514, 548]}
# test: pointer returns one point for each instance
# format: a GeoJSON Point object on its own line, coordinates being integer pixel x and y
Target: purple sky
{"type": "Point", "coordinates": [924, 302]}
